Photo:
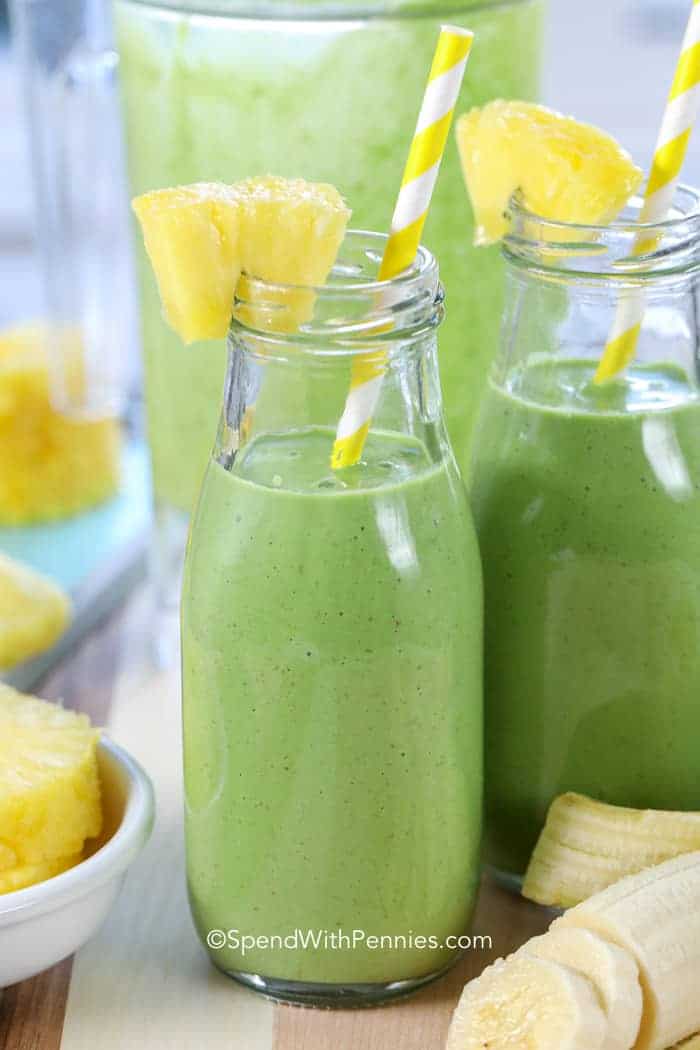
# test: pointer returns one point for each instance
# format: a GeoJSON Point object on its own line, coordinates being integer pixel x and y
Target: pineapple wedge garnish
{"type": "Point", "coordinates": [51, 466]}
{"type": "Point", "coordinates": [587, 845]}
{"type": "Point", "coordinates": [34, 613]}
{"type": "Point", "coordinates": [49, 787]}
{"type": "Point", "coordinates": [566, 171]}
{"type": "Point", "coordinates": [200, 238]}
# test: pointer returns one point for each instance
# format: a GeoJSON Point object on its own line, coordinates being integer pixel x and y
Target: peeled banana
{"type": "Point", "coordinates": [629, 955]}
{"type": "Point", "coordinates": [525, 1001]}
{"type": "Point", "coordinates": [612, 971]}
{"type": "Point", "coordinates": [655, 916]}
{"type": "Point", "coordinates": [587, 845]}
{"type": "Point", "coordinates": [689, 1044]}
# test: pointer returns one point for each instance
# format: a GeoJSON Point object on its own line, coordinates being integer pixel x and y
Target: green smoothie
{"type": "Point", "coordinates": [588, 514]}
{"type": "Point", "coordinates": [330, 99]}
{"type": "Point", "coordinates": [332, 706]}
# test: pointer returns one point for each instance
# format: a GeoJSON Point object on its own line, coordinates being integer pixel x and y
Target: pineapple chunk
{"type": "Point", "coordinates": [49, 783]}
{"type": "Point", "coordinates": [191, 236]}
{"type": "Point", "coordinates": [566, 171]}
{"type": "Point", "coordinates": [200, 239]}
{"type": "Point", "coordinates": [34, 612]}
{"type": "Point", "coordinates": [51, 466]}
{"type": "Point", "coordinates": [28, 874]}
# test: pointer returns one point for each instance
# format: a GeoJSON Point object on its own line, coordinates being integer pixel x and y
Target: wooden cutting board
{"type": "Point", "coordinates": [144, 981]}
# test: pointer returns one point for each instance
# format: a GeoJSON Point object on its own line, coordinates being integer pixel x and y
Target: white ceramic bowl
{"type": "Point", "coordinates": [43, 924]}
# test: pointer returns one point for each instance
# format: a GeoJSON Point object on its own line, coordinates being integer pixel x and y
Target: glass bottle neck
{"type": "Point", "coordinates": [357, 349]}
{"type": "Point", "coordinates": [572, 290]}
{"type": "Point", "coordinates": [293, 405]}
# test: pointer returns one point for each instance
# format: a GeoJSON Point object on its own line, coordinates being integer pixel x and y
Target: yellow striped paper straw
{"type": "Point", "coordinates": [419, 177]}
{"type": "Point", "coordinates": [680, 115]}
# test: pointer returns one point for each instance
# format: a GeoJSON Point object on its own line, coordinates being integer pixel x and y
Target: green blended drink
{"type": "Point", "coordinates": [333, 743]}
{"type": "Point", "coordinates": [589, 522]}
{"type": "Point", "coordinates": [218, 91]}
{"type": "Point", "coordinates": [587, 503]}
{"type": "Point", "coordinates": [332, 640]}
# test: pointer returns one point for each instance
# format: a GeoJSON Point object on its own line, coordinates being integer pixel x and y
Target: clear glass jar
{"type": "Point", "coordinates": [68, 69]}
{"type": "Point", "coordinates": [587, 504]}
{"type": "Point", "coordinates": [332, 651]}
{"type": "Point", "coordinates": [330, 90]}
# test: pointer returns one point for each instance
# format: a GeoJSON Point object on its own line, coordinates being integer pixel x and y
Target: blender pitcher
{"type": "Point", "coordinates": [69, 78]}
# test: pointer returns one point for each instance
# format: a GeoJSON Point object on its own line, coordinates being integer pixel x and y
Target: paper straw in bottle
{"type": "Point", "coordinates": [680, 114]}
{"type": "Point", "coordinates": [419, 177]}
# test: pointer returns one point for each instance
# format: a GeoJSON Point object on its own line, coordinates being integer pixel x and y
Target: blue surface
{"type": "Point", "coordinates": [71, 551]}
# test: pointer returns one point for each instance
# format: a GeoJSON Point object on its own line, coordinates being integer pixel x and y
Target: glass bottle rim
{"type": "Point", "coordinates": [624, 251]}
{"type": "Point", "coordinates": [353, 308]}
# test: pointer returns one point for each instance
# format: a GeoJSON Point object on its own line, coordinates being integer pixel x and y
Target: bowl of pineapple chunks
{"type": "Point", "coordinates": [75, 811]}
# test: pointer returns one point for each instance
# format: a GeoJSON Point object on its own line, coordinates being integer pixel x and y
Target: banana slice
{"type": "Point", "coordinates": [528, 1002]}
{"type": "Point", "coordinates": [612, 971]}
{"type": "Point", "coordinates": [587, 845]}
{"type": "Point", "coordinates": [655, 915]}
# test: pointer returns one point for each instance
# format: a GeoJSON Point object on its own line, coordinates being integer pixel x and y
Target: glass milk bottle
{"type": "Point", "coordinates": [332, 640]}
{"type": "Point", "coordinates": [587, 503]}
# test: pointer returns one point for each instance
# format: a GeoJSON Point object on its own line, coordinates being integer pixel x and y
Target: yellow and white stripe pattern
{"type": "Point", "coordinates": [679, 117]}
{"type": "Point", "coordinates": [419, 177]}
